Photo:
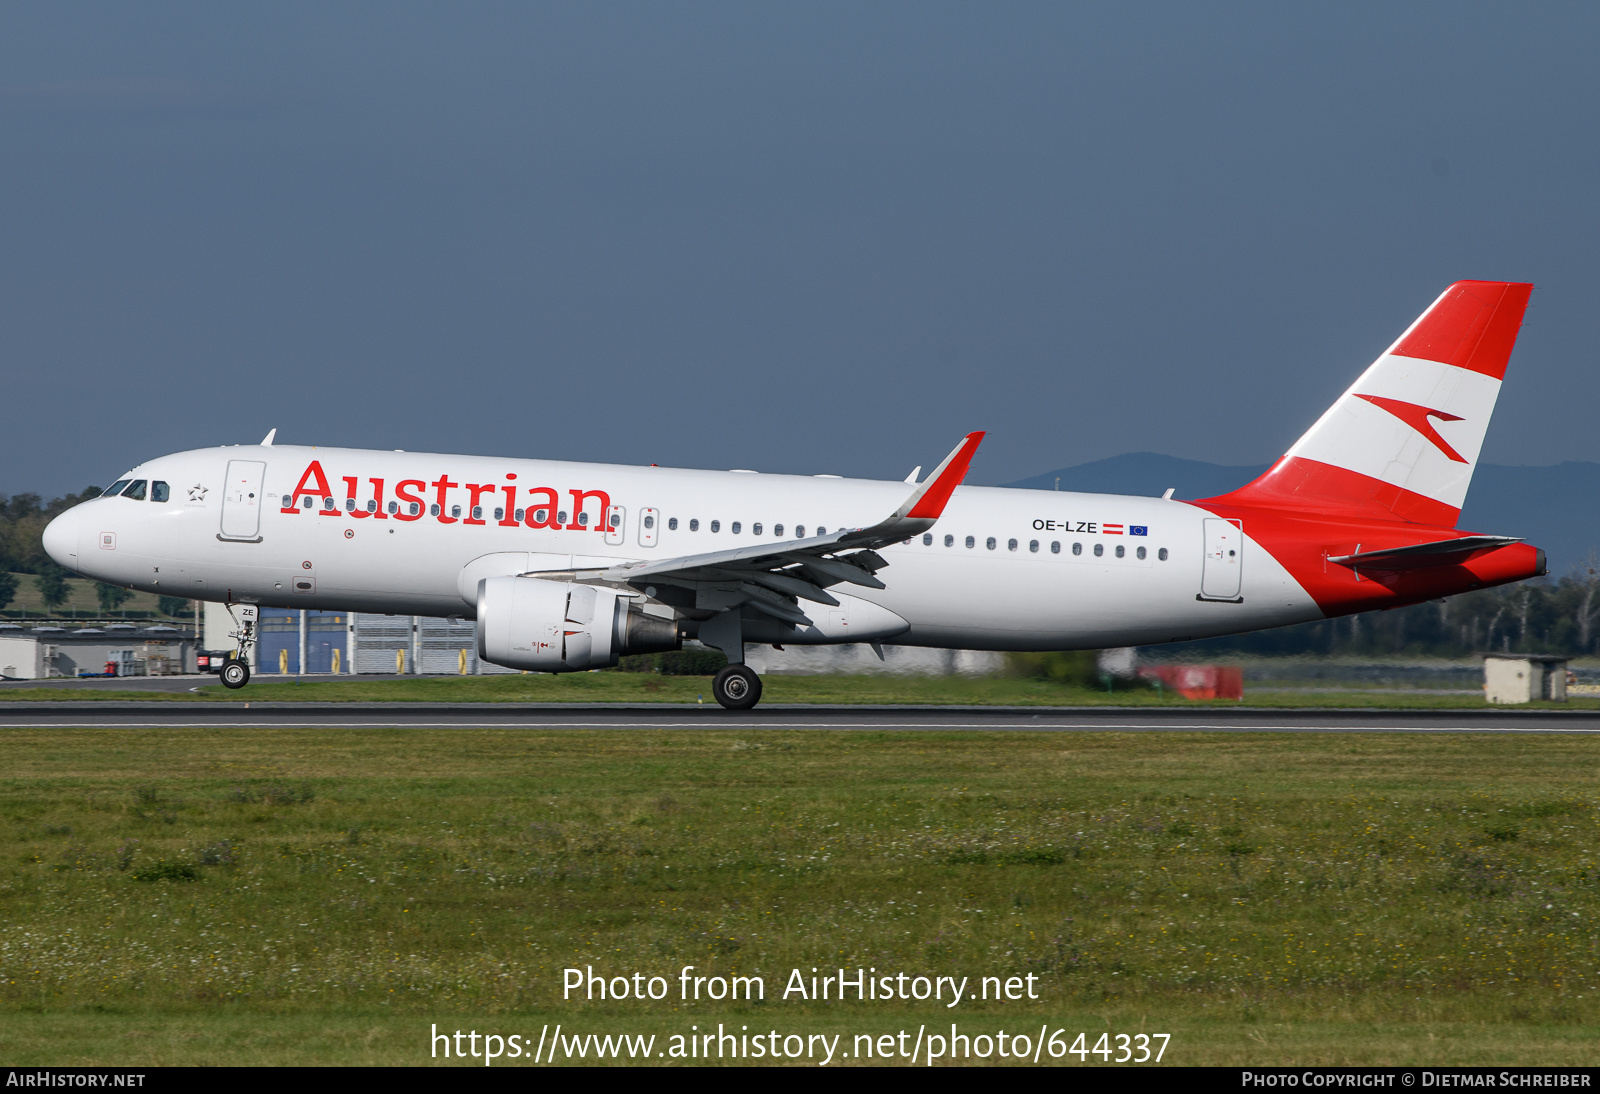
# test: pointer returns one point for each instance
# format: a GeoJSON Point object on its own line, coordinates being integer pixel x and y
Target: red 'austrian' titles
{"type": "Point", "coordinates": [541, 505]}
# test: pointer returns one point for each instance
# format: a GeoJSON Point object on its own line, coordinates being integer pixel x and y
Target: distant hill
{"type": "Point", "coordinates": [1556, 508]}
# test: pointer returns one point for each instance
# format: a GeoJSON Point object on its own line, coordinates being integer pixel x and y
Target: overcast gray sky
{"type": "Point", "coordinates": [803, 237]}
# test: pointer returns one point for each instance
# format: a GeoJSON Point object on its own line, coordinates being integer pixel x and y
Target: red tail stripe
{"type": "Point", "coordinates": [1308, 486]}
{"type": "Point", "coordinates": [1473, 326]}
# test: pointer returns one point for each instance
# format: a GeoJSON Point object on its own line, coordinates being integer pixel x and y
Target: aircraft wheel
{"type": "Point", "coordinates": [737, 687]}
{"type": "Point", "coordinates": [235, 674]}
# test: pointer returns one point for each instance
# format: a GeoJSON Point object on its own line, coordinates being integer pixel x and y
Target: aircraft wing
{"type": "Point", "coordinates": [773, 577]}
{"type": "Point", "coordinates": [1419, 555]}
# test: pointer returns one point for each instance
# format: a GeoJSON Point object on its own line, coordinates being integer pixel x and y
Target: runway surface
{"type": "Point", "coordinates": [237, 715]}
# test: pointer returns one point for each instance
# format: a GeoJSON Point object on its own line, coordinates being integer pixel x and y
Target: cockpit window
{"type": "Point", "coordinates": [160, 491]}
{"type": "Point", "coordinates": [136, 491]}
{"type": "Point", "coordinates": [114, 489]}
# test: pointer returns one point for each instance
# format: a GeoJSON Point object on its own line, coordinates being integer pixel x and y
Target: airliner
{"type": "Point", "coordinates": [568, 566]}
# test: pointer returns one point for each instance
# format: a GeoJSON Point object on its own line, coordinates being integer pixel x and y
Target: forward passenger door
{"type": "Point", "coordinates": [241, 501]}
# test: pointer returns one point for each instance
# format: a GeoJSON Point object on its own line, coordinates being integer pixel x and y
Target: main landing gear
{"type": "Point", "coordinates": [737, 687]}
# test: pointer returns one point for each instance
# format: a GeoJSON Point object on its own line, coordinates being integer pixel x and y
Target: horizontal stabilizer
{"type": "Point", "coordinates": [1446, 552]}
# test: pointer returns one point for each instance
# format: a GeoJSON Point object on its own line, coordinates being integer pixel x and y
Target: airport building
{"type": "Point", "coordinates": [355, 642]}
{"type": "Point", "coordinates": [52, 650]}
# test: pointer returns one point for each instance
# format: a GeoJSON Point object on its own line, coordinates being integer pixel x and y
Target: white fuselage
{"type": "Point", "coordinates": [1024, 569]}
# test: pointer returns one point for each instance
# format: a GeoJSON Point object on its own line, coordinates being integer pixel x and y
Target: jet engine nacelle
{"type": "Point", "coordinates": [560, 626]}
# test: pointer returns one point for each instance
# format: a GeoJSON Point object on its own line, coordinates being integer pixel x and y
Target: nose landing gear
{"type": "Point", "coordinates": [737, 687]}
{"type": "Point", "coordinates": [236, 669]}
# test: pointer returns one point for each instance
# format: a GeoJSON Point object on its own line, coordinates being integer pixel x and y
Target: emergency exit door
{"type": "Point", "coordinates": [241, 500]}
{"type": "Point", "coordinates": [648, 519]}
{"type": "Point", "coordinates": [1224, 563]}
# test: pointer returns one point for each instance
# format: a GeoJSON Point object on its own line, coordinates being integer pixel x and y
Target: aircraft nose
{"type": "Point", "coordinates": [61, 539]}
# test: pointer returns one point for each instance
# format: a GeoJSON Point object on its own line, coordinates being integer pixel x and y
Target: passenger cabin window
{"type": "Point", "coordinates": [735, 527]}
{"type": "Point", "coordinates": [672, 524]}
{"type": "Point", "coordinates": [394, 507]}
{"type": "Point", "coordinates": [777, 530]}
{"type": "Point", "coordinates": [821, 531]}
{"type": "Point", "coordinates": [1162, 554]}
{"type": "Point", "coordinates": [799, 531]}
{"type": "Point", "coordinates": [1011, 545]}
{"type": "Point", "coordinates": [1139, 552]}
{"type": "Point", "coordinates": [1055, 546]}
{"type": "Point", "coordinates": [329, 504]}
{"type": "Point", "coordinates": [433, 510]}
{"type": "Point", "coordinates": [716, 526]}
{"type": "Point", "coordinates": [136, 491]}
{"type": "Point", "coordinates": [971, 543]}
{"type": "Point", "coordinates": [989, 543]}
{"type": "Point", "coordinates": [949, 541]}
{"type": "Point", "coordinates": [477, 512]}
{"type": "Point", "coordinates": [927, 539]}
{"type": "Point", "coordinates": [1099, 549]}
{"type": "Point", "coordinates": [116, 488]}
{"type": "Point", "coordinates": [755, 529]}
{"type": "Point", "coordinates": [1121, 550]}
{"type": "Point", "coordinates": [583, 520]}
{"type": "Point", "coordinates": [160, 491]}
{"type": "Point", "coordinates": [416, 508]}
{"type": "Point", "coordinates": [649, 521]}
{"type": "Point", "coordinates": [455, 510]}
{"type": "Point", "coordinates": [694, 524]}
{"type": "Point", "coordinates": [349, 505]}
{"type": "Point", "coordinates": [372, 505]}
{"type": "Point", "coordinates": [309, 503]}
{"type": "Point", "coordinates": [1077, 548]}
{"type": "Point", "coordinates": [1033, 545]}
{"type": "Point", "coordinates": [518, 515]}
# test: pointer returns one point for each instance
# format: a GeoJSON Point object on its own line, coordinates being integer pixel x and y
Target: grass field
{"type": "Point", "coordinates": [630, 687]}
{"type": "Point", "coordinates": [324, 896]}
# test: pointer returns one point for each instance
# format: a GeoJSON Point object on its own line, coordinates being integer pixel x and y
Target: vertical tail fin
{"type": "Point", "coordinates": [1402, 442]}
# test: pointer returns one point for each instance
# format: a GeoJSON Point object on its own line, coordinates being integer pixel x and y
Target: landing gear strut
{"type": "Point", "coordinates": [737, 687]}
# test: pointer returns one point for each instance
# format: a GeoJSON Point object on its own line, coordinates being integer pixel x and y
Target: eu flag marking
{"type": "Point", "coordinates": [1138, 530]}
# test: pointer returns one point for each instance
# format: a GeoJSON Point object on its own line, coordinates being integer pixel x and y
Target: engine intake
{"type": "Point", "coordinates": [560, 626]}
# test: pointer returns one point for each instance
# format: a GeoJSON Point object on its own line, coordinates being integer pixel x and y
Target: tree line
{"type": "Point", "coordinates": [22, 521]}
{"type": "Point", "coordinates": [1544, 615]}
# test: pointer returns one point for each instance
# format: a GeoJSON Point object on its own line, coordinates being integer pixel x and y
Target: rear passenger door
{"type": "Point", "coordinates": [1221, 577]}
